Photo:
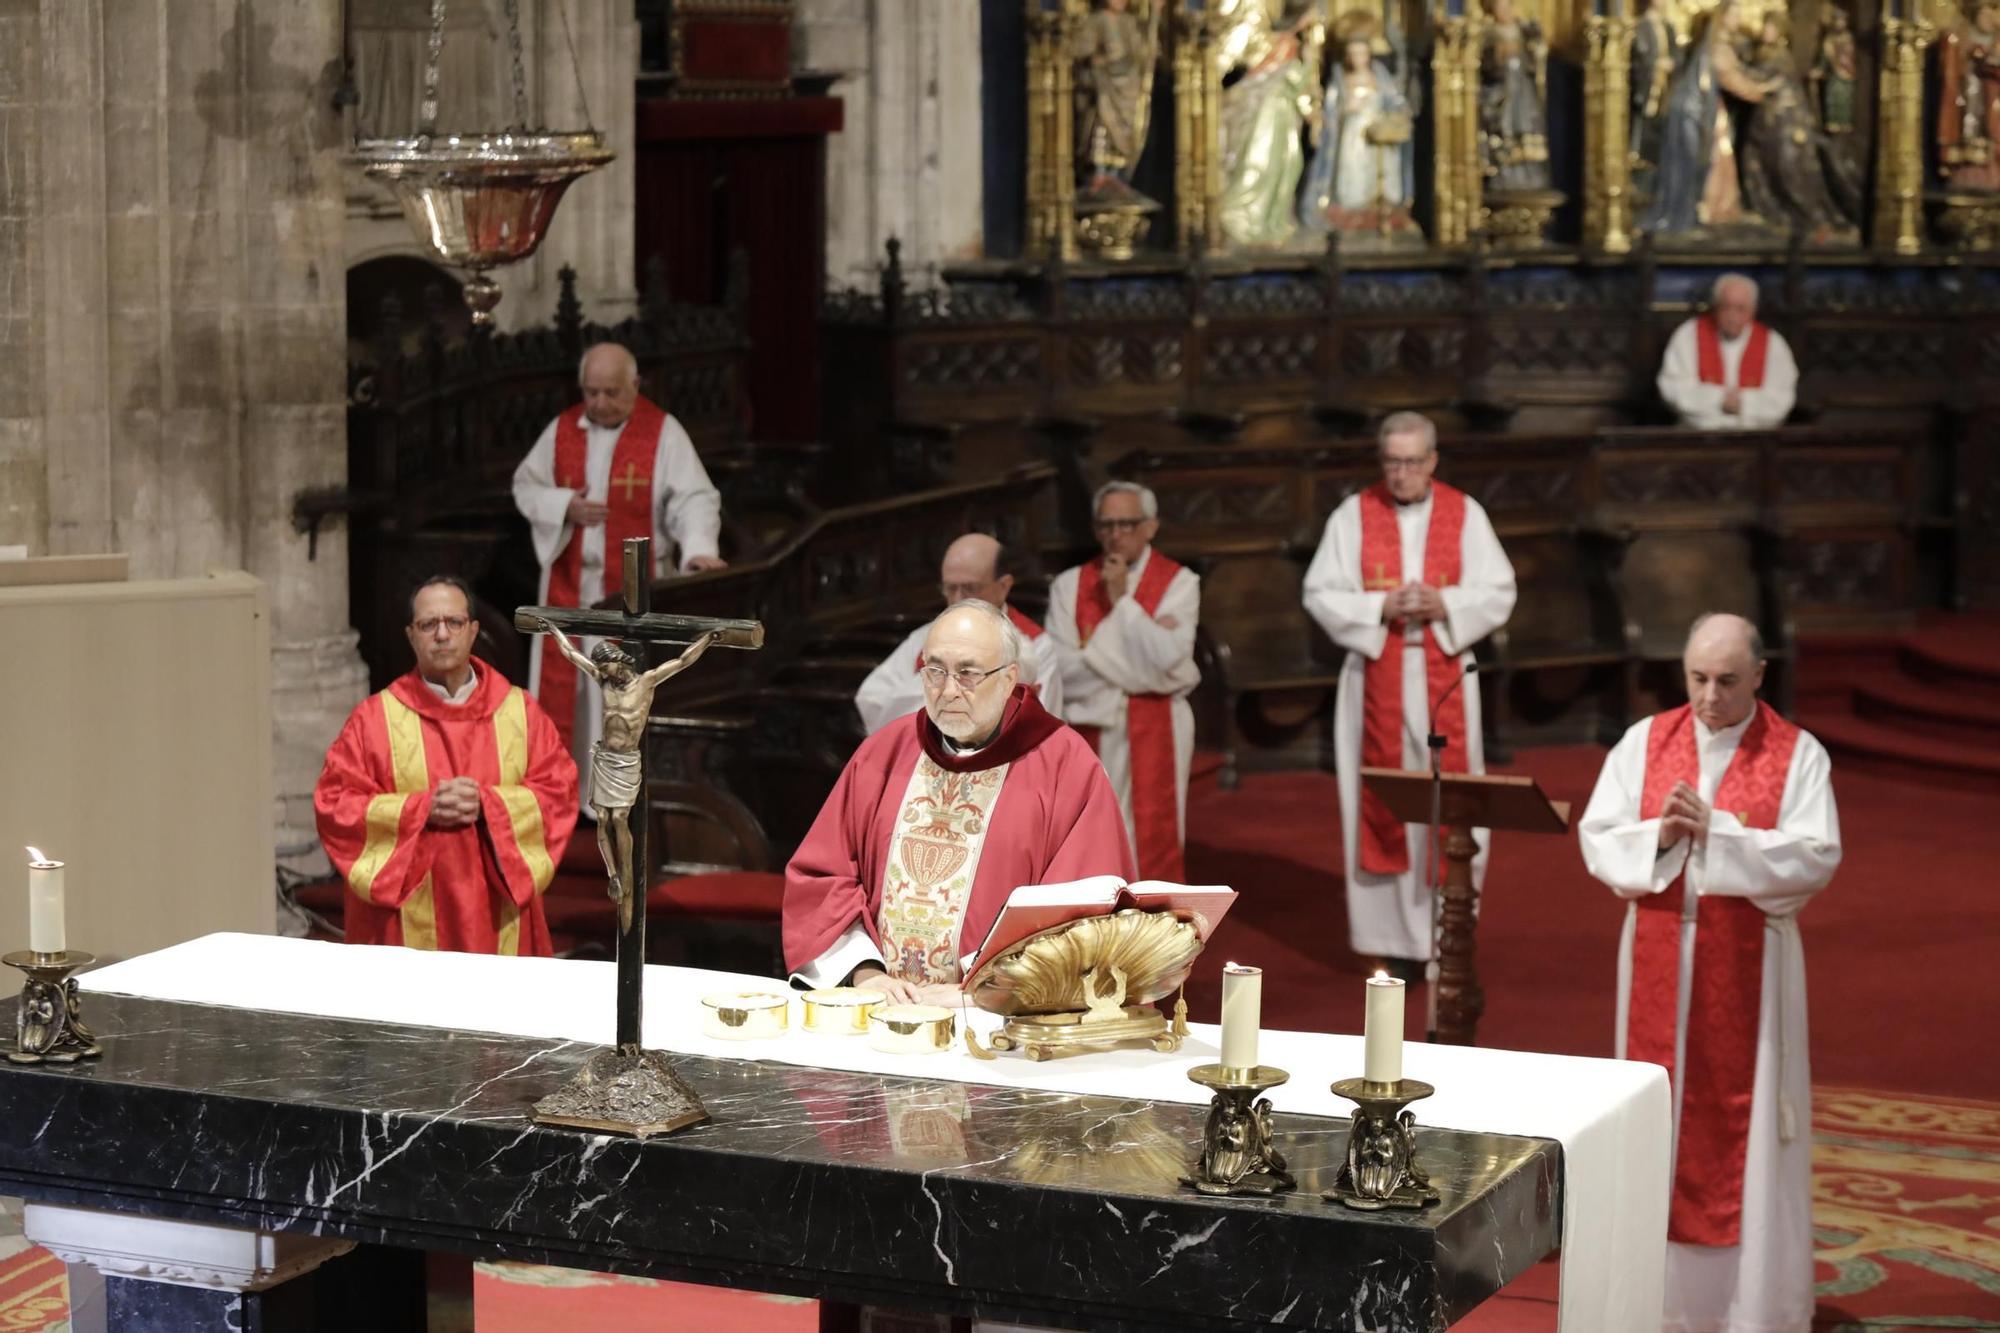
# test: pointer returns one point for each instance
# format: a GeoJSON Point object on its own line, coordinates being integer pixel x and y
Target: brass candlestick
{"type": "Point", "coordinates": [50, 1023]}
{"type": "Point", "coordinates": [1381, 1170]}
{"type": "Point", "coordinates": [1237, 1152]}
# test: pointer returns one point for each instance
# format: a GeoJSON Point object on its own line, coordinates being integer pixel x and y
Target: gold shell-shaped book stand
{"type": "Point", "coordinates": [1089, 984]}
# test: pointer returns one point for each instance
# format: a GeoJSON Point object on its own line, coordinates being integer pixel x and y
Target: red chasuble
{"type": "Point", "coordinates": [630, 500]}
{"type": "Point", "coordinates": [1708, 354]}
{"type": "Point", "coordinates": [1056, 819]}
{"type": "Point", "coordinates": [1149, 727]}
{"type": "Point", "coordinates": [1384, 846]}
{"type": "Point", "coordinates": [475, 889]}
{"type": "Point", "coordinates": [1726, 989]}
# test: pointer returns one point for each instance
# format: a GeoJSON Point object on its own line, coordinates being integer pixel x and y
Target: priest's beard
{"type": "Point", "coordinates": [964, 731]}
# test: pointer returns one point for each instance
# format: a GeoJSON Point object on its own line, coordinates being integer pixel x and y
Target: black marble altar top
{"type": "Point", "coordinates": [1006, 1202]}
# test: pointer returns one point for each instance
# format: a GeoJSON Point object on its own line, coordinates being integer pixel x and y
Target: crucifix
{"type": "Point", "coordinates": [629, 1089]}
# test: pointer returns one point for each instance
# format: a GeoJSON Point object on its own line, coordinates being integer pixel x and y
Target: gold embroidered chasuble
{"type": "Point", "coordinates": [932, 861]}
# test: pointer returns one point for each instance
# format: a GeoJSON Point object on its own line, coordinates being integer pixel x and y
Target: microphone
{"type": "Point", "coordinates": [1471, 669]}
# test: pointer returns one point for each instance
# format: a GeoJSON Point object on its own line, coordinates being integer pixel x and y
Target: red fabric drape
{"type": "Point", "coordinates": [1726, 988]}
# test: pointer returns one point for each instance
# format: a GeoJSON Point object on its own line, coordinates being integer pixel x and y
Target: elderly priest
{"type": "Point", "coordinates": [937, 818]}
{"type": "Point", "coordinates": [1716, 823]}
{"type": "Point", "coordinates": [448, 798]}
{"type": "Point", "coordinates": [1727, 370]}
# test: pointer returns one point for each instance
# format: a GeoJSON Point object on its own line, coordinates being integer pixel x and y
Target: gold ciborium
{"type": "Point", "coordinates": [1090, 984]}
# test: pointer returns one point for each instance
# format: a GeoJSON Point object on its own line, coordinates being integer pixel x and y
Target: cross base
{"type": "Point", "coordinates": [623, 1091]}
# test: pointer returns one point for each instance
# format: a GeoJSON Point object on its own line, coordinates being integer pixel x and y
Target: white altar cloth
{"type": "Point", "coordinates": [1612, 1117]}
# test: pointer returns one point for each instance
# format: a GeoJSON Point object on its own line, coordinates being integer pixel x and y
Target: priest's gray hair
{"type": "Point", "coordinates": [630, 362]}
{"type": "Point", "coordinates": [1755, 636]}
{"type": "Point", "coordinates": [1010, 638]}
{"type": "Point", "coordinates": [1733, 279]}
{"type": "Point", "coordinates": [1409, 423]}
{"type": "Point", "coordinates": [1149, 504]}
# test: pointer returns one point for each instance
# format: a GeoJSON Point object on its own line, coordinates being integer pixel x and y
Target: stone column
{"type": "Point", "coordinates": [172, 258]}
{"type": "Point", "coordinates": [908, 162]}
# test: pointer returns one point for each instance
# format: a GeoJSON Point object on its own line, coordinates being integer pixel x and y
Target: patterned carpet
{"type": "Point", "coordinates": [1906, 1206]}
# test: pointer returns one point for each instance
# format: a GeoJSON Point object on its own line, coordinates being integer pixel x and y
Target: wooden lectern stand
{"type": "Point", "coordinates": [1471, 800]}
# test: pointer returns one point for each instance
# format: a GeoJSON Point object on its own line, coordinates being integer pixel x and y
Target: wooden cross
{"type": "Point", "coordinates": [641, 629]}
{"type": "Point", "coordinates": [630, 482]}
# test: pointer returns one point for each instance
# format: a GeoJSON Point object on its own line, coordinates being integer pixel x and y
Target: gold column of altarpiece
{"type": "Point", "coordinates": [1899, 130]}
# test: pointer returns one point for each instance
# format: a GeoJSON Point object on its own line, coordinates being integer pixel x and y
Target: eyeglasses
{"type": "Point", "coordinates": [968, 679]}
{"type": "Point", "coordinates": [450, 624]}
{"type": "Point", "coordinates": [951, 590]}
{"type": "Point", "coordinates": [1404, 464]}
{"type": "Point", "coordinates": [1121, 524]}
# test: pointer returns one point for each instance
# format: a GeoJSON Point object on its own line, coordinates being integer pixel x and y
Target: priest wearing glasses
{"type": "Point", "coordinates": [1125, 625]}
{"type": "Point", "coordinates": [942, 814]}
{"type": "Point", "coordinates": [1408, 577]}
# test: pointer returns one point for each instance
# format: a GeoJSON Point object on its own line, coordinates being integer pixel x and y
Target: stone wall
{"type": "Point", "coordinates": [172, 313]}
{"type": "Point", "coordinates": [907, 162]}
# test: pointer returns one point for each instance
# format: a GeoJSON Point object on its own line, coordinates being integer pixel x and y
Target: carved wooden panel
{"type": "Point", "coordinates": [1274, 355]}
{"type": "Point", "coordinates": [1704, 478]}
{"type": "Point", "coordinates": [1839, 574]}
{"type": "Point", "coordinates": [988, 363]}
{"type": "Point", "coordinates": [1565, 347]}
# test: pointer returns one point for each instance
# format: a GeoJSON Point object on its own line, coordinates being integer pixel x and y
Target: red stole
{"type": "Point", "coordinates": [1726, 988]}
{"type": "Point", "coordinates": [1149, 727]}
{"type": "Point", "coordinates": [630, 498]}
{"type": "Point", "coordinates": [1384, 846]}
{"type": "Point", "coordinates": [1708, 354]}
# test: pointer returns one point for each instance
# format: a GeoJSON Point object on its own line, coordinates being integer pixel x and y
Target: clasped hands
{"type": "Point", "coordinates": [1732, 402]}
{"type": "Point", "coordinates": [454, 804]}
{"type": "Point", "coordinates": [583, 513]}
{"type": "Point", "coordinates": [870, 977]}
{"type": "Point", "coordinates": [1413, 601]}
{"type": "Point", "coordinates": [1685, 815]}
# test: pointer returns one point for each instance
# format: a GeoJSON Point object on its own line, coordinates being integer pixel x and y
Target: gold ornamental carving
{"type": "Point", "coordinates": [1089, 984]}
{"type": "Point", "coordinates": [1051, 132]}
{"type": "Point", "coordinates": [1899, 148]}
{"type": "Point", "coordinates": [1456, 181]}
{"type": "Point", "coordinates": [1607, 165]}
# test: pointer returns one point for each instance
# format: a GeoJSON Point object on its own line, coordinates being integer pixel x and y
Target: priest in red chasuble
{"type": "Point", "coordinates": [1727, 370]}
{"type": "Point", "coordinates": [1408, 577]}
{"type": "Point", "coordinates": [1716, 823]}
{"type": "Point", "coordinates": [615, 467]}
{"type": "Point", "coordinates": [938, 817]}
{"type": "Point", "coordinates": [1125, 623]}
{"type": "Point", "coordinates": [447, 799]}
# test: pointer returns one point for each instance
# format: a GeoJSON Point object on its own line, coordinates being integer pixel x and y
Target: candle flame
{"type": "Point", "coordinates": [35, 855]}
{"type": "Point", "coordinates": [1381, 974]}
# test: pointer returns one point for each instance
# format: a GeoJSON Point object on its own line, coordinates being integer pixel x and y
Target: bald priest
{"type": "Point", "coordinates": [938, 817]}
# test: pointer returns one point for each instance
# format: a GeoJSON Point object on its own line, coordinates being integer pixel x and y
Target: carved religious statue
{"type": "Point", "coordinates": [1792, 176]}
{"type": "Point", "coordinates": [616, 768]}
{"type": "Point", "coordinates": [1834, 71]}
{"type": "Point", "coordinates": [1655, 50]}
{"type": "Point", "coordinates": [1513, 120]}
{"type": "Point", "coordinates": [1267, 52]}
{"type": "Point", "coordinates": [1697, 185]}
{"type": "Point", "coordinates": [1968, 129]}
{"type": "Point", "coordinates": [1362, 167]}
{"type": "Point", "coordinates": [1115, 52]}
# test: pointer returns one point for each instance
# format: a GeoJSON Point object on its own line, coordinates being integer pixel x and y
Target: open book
{"type": "Point", "coordinates": [1037, 907]}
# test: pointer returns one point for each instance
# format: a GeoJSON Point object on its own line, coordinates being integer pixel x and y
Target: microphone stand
{"type": "Point", "coordinates": [1436, 741]}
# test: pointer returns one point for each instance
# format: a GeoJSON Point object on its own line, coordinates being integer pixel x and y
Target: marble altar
{"type": "Point", "coordinates": [902, 1180]}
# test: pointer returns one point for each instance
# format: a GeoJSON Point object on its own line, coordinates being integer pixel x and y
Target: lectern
{"type": "Point", "coordinates": [1470, 800]}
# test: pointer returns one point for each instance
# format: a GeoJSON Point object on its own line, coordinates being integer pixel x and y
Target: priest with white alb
{"type": "Point", "coordinates": [1125, 623]}
{"type": "Point", "coordinates": [615, 467]}
{"type": "Point", "coordinates": [1727, 370]}
{"type": "Point", "coordinates": [1408, 577]}
{"type": "Point", "coordinates": [1715, 822]}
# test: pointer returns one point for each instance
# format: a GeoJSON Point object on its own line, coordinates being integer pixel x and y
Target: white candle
{"type": "Point", "coordinates": [1242, 1006]}
{"type": "Point", "coordinates": [1382, 1061]}
{"type": "Point", "coordinates": [45, 903]}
